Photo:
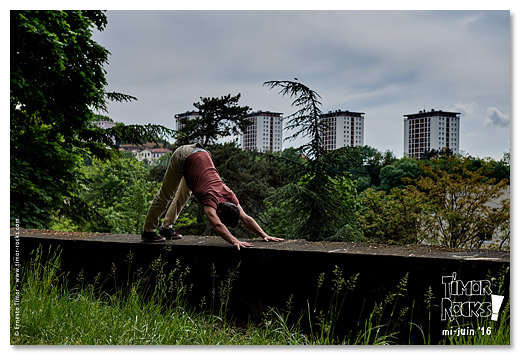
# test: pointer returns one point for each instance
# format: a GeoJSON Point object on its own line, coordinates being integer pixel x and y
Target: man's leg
{"type": "Point", "coordinates": [167, 191]}
{"type": "Point", "coordinates": [181, 197]}
{"type": "Point", "coordinates": [160, 202]}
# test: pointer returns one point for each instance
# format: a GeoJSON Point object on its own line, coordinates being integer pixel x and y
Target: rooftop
{"type": "Point", "coordinates": [343, 113]}
{"type": "Point", "coordinates": [424, 113]}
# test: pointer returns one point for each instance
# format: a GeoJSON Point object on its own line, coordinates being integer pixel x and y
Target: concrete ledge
{"type": "Point", "coordinates": [417, 251]}
{"type": "Point", "coordinates": [269, 273]}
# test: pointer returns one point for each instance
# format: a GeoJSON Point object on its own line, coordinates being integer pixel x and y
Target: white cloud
{"type": "Point", "coordinates": [495, 118]}
{"type": "Point", "coordinates": [465, 109]}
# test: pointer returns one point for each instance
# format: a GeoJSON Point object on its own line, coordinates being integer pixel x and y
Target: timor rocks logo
{"type": "Point", "coordinates": [474, 292]}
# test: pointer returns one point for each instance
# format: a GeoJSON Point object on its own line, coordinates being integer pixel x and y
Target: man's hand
{"type": "Point", "coordinates": [242, 244]}
{"type": "Point", "coordinates": [272, 238]}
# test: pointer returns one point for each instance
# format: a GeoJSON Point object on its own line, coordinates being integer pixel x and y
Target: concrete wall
{"type": "Point", "coordinates": [270, 273]}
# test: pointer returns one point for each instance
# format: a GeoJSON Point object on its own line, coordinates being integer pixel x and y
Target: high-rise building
{"type": "Point", "coordinates": [265, 132]}
{"type": "Point", "coordinates": [188, 115]}
{"type": "Point", "coordinates": [430, 130]}
{"type": "Point", "coordinates": [343, 128]}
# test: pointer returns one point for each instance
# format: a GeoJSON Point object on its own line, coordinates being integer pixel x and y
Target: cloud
{"type": "Point", "coordinates": [495, 118]}
{"type": "Point", "coordinates": [383, 63]}
{"type": "Point", "coordinates": [465, 109]}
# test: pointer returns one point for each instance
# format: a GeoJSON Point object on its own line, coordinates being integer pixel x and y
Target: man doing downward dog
{"type": "Point", "coordinates": [191, 170]}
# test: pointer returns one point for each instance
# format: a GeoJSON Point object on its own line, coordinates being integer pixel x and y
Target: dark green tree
{"type": "Point", "coordinates": [394, 175]}
{"type": "Point", "coordinates": [57, 84]}
{"type": "Point", "coordinates": [319, 207]}
{"type": "Point", "coordinates": [432, 153]}
{"type": "Point", "coordinates": [306, 122]}
{"type": "Point", "coordinates": [364, 163]}
{"type": "Point", "coordinates": [218, 117]}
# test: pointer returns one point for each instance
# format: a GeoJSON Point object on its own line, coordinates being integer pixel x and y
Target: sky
{"type": "Point", "coordinates": [385, 64]}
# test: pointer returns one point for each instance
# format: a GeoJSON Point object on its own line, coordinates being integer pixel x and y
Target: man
{"type": "Point", "coordinates": [191, 170]}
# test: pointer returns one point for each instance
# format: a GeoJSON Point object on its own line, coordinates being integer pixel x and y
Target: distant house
{"type": "Point", "coordinates": [105, 124]}
{"type": "Point", "coordinates": [157, 153]}
{"type": "Point", "coordinates": [142, 153]}
{"type": "Point", "coordinates": [343, 128]}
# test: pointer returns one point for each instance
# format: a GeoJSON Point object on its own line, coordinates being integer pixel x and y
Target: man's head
{"type": "Point", "coordinates": [228, 214]}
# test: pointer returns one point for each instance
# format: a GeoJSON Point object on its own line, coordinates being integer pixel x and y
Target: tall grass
{"type": "Point", "coordinates": [483, 331]}
{"type": "Point", "coordinates": [51, 312]}
{"type": "Point", "coordinates": [152, 309]}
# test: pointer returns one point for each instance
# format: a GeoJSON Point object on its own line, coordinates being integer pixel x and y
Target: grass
{"type": "Point", "coordinates": [46, 309]}
{"type": "Point", "coordinates": [482, 332]}
{"type": "Point", "coordinates": [52, 313]}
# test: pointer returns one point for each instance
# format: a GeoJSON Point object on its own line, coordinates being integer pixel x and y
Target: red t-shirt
{"type": "Point", "coordinates": [204, 181]}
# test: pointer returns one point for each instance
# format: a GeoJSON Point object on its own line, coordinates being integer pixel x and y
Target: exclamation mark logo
{"type": "Point", "coordinates": [496, 304]}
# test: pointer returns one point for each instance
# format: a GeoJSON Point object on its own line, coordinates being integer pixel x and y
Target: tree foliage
{"type": "Point", "coordinates": [397, 217]}
{"type": "Point", "coordinates": [57, 78]}
{"type": "Point", "coordinates": [119, 190]}
{"type": "Point", "coordinates": [467, 209]}
{"type": "Point", "coordinates": [447, 204]}
{"type": "Point", "coordinates": [306, 122]}
{"type": "Point", "coordinates": [315, 199]}
{"type": "Point", "coordinates": [364, 163]}
{"type": "Point", "coordinates": [57, 83]}
{"type": "Point", "coordinates": [218, 117]}
{"type": "Point", "coordinates": [395, 175]}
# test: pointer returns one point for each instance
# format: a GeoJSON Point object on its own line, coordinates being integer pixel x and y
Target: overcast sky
{"type": "Point", "coordinates": [383, 63]}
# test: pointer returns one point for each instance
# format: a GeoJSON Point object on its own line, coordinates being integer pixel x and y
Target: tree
{"type": "Point", "coordinates": [466, 208]}
{"type": "Point", "coordinates": [120, 191]}
{"type": "Point", "coordinates": [398, 217]}
{"type": "Point", "coordinates": [447, 204]}
{"type": "Point", "coordinates": [57, 84]}
{"type": "Point", "coordinates": [218, 117]}
{"type": "Point", "coordinates": [432, 153]}
{"type": "Point", "coordinates": [315, 200]}
{"type": "Point", "coordinates": [395, 175]}
{"type": "Point", "coordinates": [57, 77]}
{"type": "Point", "coordinates": [364, 163]}
{"type": "Point", "coordinates": [306, 122]}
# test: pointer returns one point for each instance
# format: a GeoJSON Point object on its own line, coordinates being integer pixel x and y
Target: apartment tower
{"type": "Point", "coordinates": [188, 115]}
{"type": "Point", "coordinates": [265, 132]}
{"type": "Point", "coordinates": [343, 128]}
{"type": "Point", "coordinates": [430, 130]}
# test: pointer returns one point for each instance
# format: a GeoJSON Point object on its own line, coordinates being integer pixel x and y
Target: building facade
{"type": "Point", "coordinates": [151, 155]}
{"type": "Point", "coordinates": [265, 132]}
{"type": "Point", "coordinates": [430, 130]}
{"type": "Point", "coordinates": [105, 124]}
{"type": "Point", "coordinates": [189, 115]}
{"type": "Point", "coordinates": [342, 128]}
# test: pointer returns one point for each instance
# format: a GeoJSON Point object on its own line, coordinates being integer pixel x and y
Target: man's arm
{"type": "Point", "coordinates": [252, 225]}
{"type": "Point", "coordinates": [222, 230]}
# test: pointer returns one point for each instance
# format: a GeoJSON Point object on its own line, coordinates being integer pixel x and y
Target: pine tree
{"type": "Point", "coordinates": [323, 200]}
